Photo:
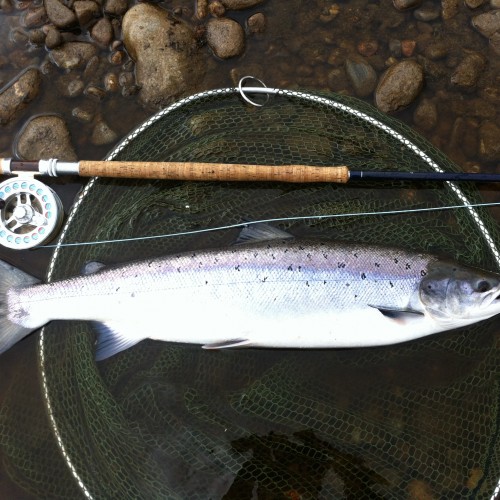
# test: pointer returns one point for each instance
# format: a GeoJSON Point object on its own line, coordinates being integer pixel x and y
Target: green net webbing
{"type": "Point", "coordinates": [416, 420]}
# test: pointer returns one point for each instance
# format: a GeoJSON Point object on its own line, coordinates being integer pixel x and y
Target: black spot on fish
{"type": "Point", "coordinates": [273, 256]}
{"type": "Point", "coordinates": [341, 265]}
{"type": "Point", "coordinates": [355, 255]}
{"type": "Point", "coordinates": [264, 279]}
{"type": "Point", "coordinates": [301, 247]}
{"type": "Point", "coordinates": [325, 255]}
{"type": "Point", "coordinates": [150, 263]}
{"type": "Point", "coordinates": [193, 255]}
{"type": "Point", "coordinates": [355, 296]}
{"type": "Point", "coordinates": [324, 282]}
{"type": "Point", "coordinates": [178, 269]}
{"type": "Point", "coordinates": [377, 264]}
{"type": "Point", "coordinates": [290, 267]}
{"type": "Point", "coordinates": [132, 295]}
{"type": "Point", "coordinates": [309, 256]}
{"type": "Point", "coordinates": [347, 284]}
{"type": "Point", "coordinates": [268, 246]}
{"type": "Point", "coordinates": [396, 261]}
{"type": "Point", "coordinates": [200, 264]}
{"type": "Point", "coordinates": [286, 250]}
{"type": "Point", "coordinates": [255, 255]}
{"type": "Point", "coordinates": [363, 276]}
{"type": "Point", "coordinates": [237, 267]}
{"type": "Point", "coordinates": [206, 282]}
{"type": "Point", "coordinates": [391, 283]}
{"type": "Point", "coordinates": [117, 289]}
{"type": "Point", "coordinates": [299, 268]}
{"type": "Point", "coordinates": [423, 273]}
{"type": "Point", "coordinates": [307, 283]}
{"type": "Point", "coordinates": [408, 266]}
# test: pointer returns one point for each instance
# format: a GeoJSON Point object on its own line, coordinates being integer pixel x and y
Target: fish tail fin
{"type": "Point", "coordinates": [11, 277]}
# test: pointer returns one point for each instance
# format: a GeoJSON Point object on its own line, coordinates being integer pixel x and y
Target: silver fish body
{"type": "Point", "coordinates": [283, 293]}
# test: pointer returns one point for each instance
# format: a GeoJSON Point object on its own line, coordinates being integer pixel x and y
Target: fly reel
{"type": "Point", "coordinates": [31, 213]}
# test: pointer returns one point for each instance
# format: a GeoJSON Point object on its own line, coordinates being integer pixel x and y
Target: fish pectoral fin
{"type": "Point", "coordinates": [398, 314]}
{"type": "Point", "coordinates": [228, 343]}
{"type": "Point", "coordinates": [254, 233]}
{"type": "Point", "coordinates": [113, 338]}
{"type": "Point", "coordinates": [92, 267]}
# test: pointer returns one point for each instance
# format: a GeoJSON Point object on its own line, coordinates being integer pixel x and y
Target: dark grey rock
{"type": "Point", "coordinates": [225, 37]}
{"type": "Point", "coordinates": [59, 15]}
{"type": "Point", "coordinates": [399, 86]}
{"type": "Point", "coordinates": [103, 134]}
{"type": "Point", "coordinates": [240, 4]}
{"type": "Point", "coordinates": [363, 77]}
{"type": "Point", "coordinates": [488, 23]}
{"type": "Point", "coordinates": [469, 70]}
{"type": "Point", "coordinates": [17, 94]}
{"type": "Point", "coordinates": [73, 55]}
{"type": "Point", "coordinates": [168, 61]}
{"type": "Point", "coordinates": [489, 141]}
{"type": "Point", "coordinates": [45, 136]}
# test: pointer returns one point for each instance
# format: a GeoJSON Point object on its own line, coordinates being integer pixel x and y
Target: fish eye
{"type": "Point", "coordinates": [483, 286]}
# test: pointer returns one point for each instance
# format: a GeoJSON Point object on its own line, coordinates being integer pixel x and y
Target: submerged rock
{"type": "Point", "coordinates": [489, 141]}
{"type": "Point", "coordinates": [59, 15]}
{"type": "Point", "coordinates": [103, 134]}
{"type": "Point", "coordinates": [168, 62]}
{"type": "Point", "coordinates": [363, 77]}
{"type": "Point", "coordinates": [16, 95]}
{"type": "Point", "coordinates": [488, 23]}
{"type": "Point", "coordinates": [469, 70]}
{"type": "Point", "coordinates": [399, 86]}
{"type": "Point", "coordinates": [225, 37]}
{"type": "Point", "coordinates": [240, 4]}
{"type": "Point", "coordinates": [45, 136]}
{"type": "Point", "coordinates": [73, 55]}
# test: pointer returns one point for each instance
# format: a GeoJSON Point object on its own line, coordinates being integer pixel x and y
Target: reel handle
{"type": "Point", "coordinates": [196, 171]}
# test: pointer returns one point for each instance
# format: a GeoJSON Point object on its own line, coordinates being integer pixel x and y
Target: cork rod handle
{"type": "Point", "coordinates": [187, 171]}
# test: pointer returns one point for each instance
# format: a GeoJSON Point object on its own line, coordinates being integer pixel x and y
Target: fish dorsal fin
{"type": "Point", "coordinates": [253, 233]}
{"type": "Point", "coordinates": [92, 267]}
{"type": "Point", "coordinates": [228, 344]}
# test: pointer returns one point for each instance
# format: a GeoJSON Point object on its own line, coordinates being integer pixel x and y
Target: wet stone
{"type": "Point", "coordinates": [53, 38]}
{"type": "Point", "coordinates": [73, 55]}
{"type": "Point", "coordinates": [399, 86]}
{"type": "Point", "coordinates": [489, 141]}
{"type": "Point", "coordinates": [82, 114]}
{"type": "Point", "coordinates": [425, 115]}
{"type": "Point", "coordinates": [495, 43]}
{"type": "Point", "coordinates": [102, 31]}
{"type": "Point", "coordinates": [395, 47]}
{"type": "Point", "coordinates": [95, 92]}
{"type": "Point", "coordinates": [469, 70]}
{"type": "Point", "coordinates": [116, 7]}
{"type": "Point", "coordinates": [103, 134]}
{"type": "Point", "coordinates": [240, 4]}
{"type": "Point", "coordinates": [474, 4]}
{"type": "Point", "coordinates": [16, 96]}
{"type": "Point", "coordinates": [34, 17]}
{"type": "Point", "coordinates": [111, 82]}
{"type": "Point", "coordinates": [488, 23]}
{"type": "Point", "coordinates": [363, 77]}
{"type": "Point", "coordinates": [256, 23]}
{"type": "Point", "coordinates": [225, 37]}
{"type": "Point", "coordinates": [70, 86]}
{"type": "Point", "coordinates": [216, 8]}
{"type": "Point", "coordinates": [37, 37]}
{"type": "Point", "coordinates": [85, 11]}
{"type": "Point", "coordinates": [406, 4]}
{"type": "Point", "coordinates": [449, 9]}
{"type": "Point", "coordinates": [427, 12]}
{"type": "Point", "coordinates": [408, 47]}
{"type": "Point", "coordinates": [59, 15]}
{"type": "Point", "coordinates": [436, 50]}
{"type": "Point", "coordinates": [201, 9]}
{"type": "Point", "coordinates": [168, 61]}
{"type": "Point", "coordinates": [45, 136]}
{"type": "Point", "coordinates": [367, 48]}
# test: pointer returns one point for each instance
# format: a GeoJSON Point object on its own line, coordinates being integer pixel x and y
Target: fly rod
{"type": "Point", "coordinates": [202, 171]}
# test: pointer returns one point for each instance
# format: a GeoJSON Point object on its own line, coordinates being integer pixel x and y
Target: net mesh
{"type": "Point", "coordinates": [416, 420]}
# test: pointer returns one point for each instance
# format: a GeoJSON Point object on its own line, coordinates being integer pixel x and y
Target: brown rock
{"type": "Point", "coordinates": [103, 134]}
{"type": "Point", "coordinates": [85, 11]}
{"type": "Point", "coordinates": [399, 86]}
{"type": "Point", "coordinates": [425, 115]}
{"type": "Point", "coordinates": [240, 4]}
{"type": "Point", "coordinates": [489, 141]}
{"type": "Point", "coordinates": [449, 9]}
{"type": "Point", "coordinates": [34, 17]}
{"type": "Point", "coordinates": [73, 55]}
{"type": "Point", "coordinates": [225, 37]}
{"type": "Point", "coordinates": [408, 47]}
{"type": "Point", "coordinates": [116, 7]}
{"type": "Point", "coordinates": [216, 9]}
{"type": "Point", "coordinates": [257, 23]}
{"type": "Point", "coordinates": [45, 136]}
{"type": "Point", "coordinates": [469, 70]}
{"type": "Point", "coordinates": [60, 15]}
{"type": "Point", "coordinates": [406, 4]}
{"type": "Point", "coordinates": [53, 38]}
{"type": "Point", "coordinates": [18, 94]}
{"type": "Point", "coordinates": [102, 31]}
{"type": "Point", "coordinates": [488, 23]}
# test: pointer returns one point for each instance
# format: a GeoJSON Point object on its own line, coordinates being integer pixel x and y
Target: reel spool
{"type": "Point", "coordinates": [31, 213]}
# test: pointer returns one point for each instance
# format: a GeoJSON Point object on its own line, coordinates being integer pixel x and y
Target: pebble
{"type": "Point", "coordinates": [70, 85]}
{"type": "Point", "coordinates": [53, 38]}
{"type": "Point", "coordinates": [18, 94]}
{"type": "Point", "coordinates": [395, 47]}
{"type": "Point", "coordinates": [85, 11]}
{"type": "Point", "coordinates": [73, 55]}
{"type": "Point", "coordinates": [102, 31]}
{"type": "Point", "coordinates": [367, 48]}
{"type": "Point", "coordinates": [495, 43]}
{"type": "Point", "coordinates": [103, 134]}
{"type": "Point", "coordinates": [95, 92]}
{"type": "Point", "coordinates": [257, 23]}
{"type": "Point", "coordinates": [469, 70]}
{"type": "Point", "coordinates": [488, 23]}
{"type": "Point", "coordinates": [427, 12]}
{"type": "Point", "coordinates": [489, 141]}
{"type": "Point", "coordinates": [399, 86]}
{"type": "Point", "coordinates": [474, 4]}
{"type": "Point", "coordinates": [201, 9]}
{"type": "Point", "coordinates": [45, 136]}
{"type": "Point", "coordinates": [449, 9]}
{"type": "Point", "coordinates": [168, 61]}
{"type": "Point", "coordinates": [406, 4]}
{"type": "Point", "coordinates": [362, 76]}
{"type": "Point", "coordinates": [408, 47]}
{"type": "Point", "coordinates": [425, 115]}
{"type": "Point", "coordinates": [37, 36]}
{"type": "Point", "coordinates": [111, 82]}
{"type": "Point", "coordinates": [60, 15]}
{"type": "Point", "coordinates": [216, 9]}
{"type": "Point", "coordinates": [225, 37]}
{"type": "Point", "coordinates": [116, 7]}
{"type": "Point", "coordinates": [117, 57]}
{"type": "Point", "coordinates": [436, 50]}
{"type": "Point", "coordinates": [240, 4]}
{"type": "Point", "coordinates": [34, 17]}
{"type": "Point", "coordinates": [82, 114]}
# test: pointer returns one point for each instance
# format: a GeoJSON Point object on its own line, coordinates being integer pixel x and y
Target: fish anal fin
{"type": "Point", "coordinates": [226, 344]}
{"type": "Point", "coordinates": [401, 315]}
{"type": "Point", "coordinates": [113, 338]}
{"type": "Point", "coordinates": [254, 233]}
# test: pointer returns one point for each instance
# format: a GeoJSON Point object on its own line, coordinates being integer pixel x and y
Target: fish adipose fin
{"type": "Point", "coordinates": [10, 332]}
{"type": "Point", "coordinates": [113, 338]}
{"type": "Point", "coordinates": [398, 314]}
{"type": "Point", "coordinates": [254, 233]}
{"type": "Point", "coordinates": [228, 344]}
